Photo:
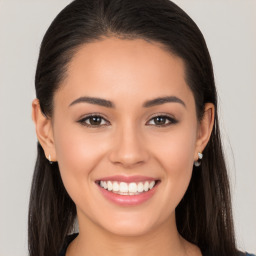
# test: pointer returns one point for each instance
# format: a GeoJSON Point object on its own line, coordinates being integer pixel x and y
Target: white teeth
{"type": "Point", "coordinates": [110, 186]}
{"type": "Point", "coordinates": [124, 188]}
{"type": "Point", "coordinates": [132, 187]}
{"type": "Point", "coordinates": [146, 184]}
{"type": "Point", "coordinates": [140, 187]}
{"type": "Point", "coordinates": [115, 186]}
{"type": "Point", "coordinates": [104, 184]}
{"type": "Point", "coordinates": [151, 184]}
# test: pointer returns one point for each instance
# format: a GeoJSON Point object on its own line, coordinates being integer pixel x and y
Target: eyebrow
{"type": "Point", "coordinates": [92, 100]}
{"type": "Point", "coordinates": [147, 104]}
{"type": "Point", "coordinates": [163, 100]}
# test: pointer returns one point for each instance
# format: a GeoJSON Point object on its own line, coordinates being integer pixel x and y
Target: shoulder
{"type": "Point", "coordinates": [68, 240]}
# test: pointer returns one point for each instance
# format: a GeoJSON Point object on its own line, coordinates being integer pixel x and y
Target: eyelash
{"type": "Point", "coordinates": [167, 117]}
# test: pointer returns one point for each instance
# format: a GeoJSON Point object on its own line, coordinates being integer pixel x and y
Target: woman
{"type": "Point", "coordinates": [128, 136]}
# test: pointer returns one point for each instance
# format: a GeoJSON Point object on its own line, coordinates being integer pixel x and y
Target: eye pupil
{"type": "Point", "coordinates": [160, 120]}
{"type": "Point", "coordinates": [95, 120]}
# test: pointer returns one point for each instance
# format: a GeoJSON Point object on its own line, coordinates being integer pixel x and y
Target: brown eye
{"type": "Point", "coordinates": [93, 121]}
{"type": "Point", "coordinates": [162, 121]}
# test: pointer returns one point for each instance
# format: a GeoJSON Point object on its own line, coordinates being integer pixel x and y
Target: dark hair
{"type": "Point", "coordinates": [204, 215]}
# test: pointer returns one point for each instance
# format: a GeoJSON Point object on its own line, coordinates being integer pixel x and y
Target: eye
{"type": "Point", "coordinates": [162, 120]}
{"type": "Point", "coordinates": [94, 121]}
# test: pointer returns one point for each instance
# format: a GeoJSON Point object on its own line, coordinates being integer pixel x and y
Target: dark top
{"type": "Point", "coordinates": [70, 238]}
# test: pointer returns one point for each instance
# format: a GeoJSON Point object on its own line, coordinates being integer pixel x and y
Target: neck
{"type": "Point", "coordinates": [95, 241]}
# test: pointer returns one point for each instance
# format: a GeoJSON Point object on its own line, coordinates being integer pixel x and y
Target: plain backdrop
{"type": "Point", "coordinates": [230, 31]}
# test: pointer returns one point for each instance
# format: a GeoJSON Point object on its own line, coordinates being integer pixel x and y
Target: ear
{"type": "Point", "coordinates": [204, 129]}
{"type": "Point", "coordinates": [44, 130]}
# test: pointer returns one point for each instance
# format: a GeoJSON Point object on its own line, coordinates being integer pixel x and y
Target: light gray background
{"type": "Point", "coordinates": [230, 31]}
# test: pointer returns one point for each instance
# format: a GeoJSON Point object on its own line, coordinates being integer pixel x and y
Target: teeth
{"type": "Point", "coordinates": [151, 184]}
{"type": "Point", "coordinates": [146, 186]}
{"type": "Point", "coordinates": [124, 188]}
{"type": "Point", "coordinates": [140, 187]}
{"type": "Point", "coordinates": [115, 186]}
{"type": "Point", "coordinates": [133, 187]}
{"type": "Point", "coordinates": [110, 186]}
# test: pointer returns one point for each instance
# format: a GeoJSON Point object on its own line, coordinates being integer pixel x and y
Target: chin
{"type": "Point", "coordinates": [131, 230]}
{"type": "Point", "coordinates": [130, 224]}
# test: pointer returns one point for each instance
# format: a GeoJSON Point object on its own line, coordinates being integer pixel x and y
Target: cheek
{"type": "Point", "coordinates": [77, 155]}
{"type": "Point", "coordinates": [175, 152]}
{"type": "Point", "coordinates": [176, 148]}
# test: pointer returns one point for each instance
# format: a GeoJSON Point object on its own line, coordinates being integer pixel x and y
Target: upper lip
{"type": "Point", "coordinates": [127, 179]}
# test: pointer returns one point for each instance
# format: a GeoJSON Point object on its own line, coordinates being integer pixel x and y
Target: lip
{"type": "Point", "coordinates": [128, 200]}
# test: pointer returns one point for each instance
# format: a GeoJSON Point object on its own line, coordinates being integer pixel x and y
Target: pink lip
{"type": "Point", "coordinates": [128, 200]}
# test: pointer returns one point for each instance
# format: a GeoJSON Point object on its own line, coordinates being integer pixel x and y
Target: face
{"type": "Point", "coordinates": [125, 135]}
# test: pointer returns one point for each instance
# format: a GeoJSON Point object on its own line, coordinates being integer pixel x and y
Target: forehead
{"type": "Point", "coordinates": [115, 67]}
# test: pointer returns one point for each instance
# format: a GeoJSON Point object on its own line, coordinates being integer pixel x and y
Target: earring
{"type": "Point", "coordinates": [198, 162]}
{"type": "Point", "coordinates": [49, 158]}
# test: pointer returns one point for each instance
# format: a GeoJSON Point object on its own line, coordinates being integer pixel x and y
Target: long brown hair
{"type": "Point", "coordinates": [204, 215]}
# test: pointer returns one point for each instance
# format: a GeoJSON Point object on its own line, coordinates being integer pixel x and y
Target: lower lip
{"type": "Point", "coordinates": [128, 200]}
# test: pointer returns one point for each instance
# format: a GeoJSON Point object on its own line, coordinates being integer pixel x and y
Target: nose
{"type": "Point", "coordinates": [129, 149]}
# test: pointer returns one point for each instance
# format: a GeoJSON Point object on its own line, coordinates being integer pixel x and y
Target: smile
{"type": "Point", "coordinates": [124, 188]}
{"type": "Point", "coordinates": [128, 191]}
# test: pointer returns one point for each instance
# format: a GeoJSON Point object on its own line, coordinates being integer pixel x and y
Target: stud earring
{"type": "Point", "coordinates": [49, 158]}
{"type": "Point", "coordinates": [198, 162]}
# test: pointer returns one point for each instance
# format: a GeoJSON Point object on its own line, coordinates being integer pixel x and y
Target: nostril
{"type": "Point", "coordinates": [128, 160]}
{"type": "Point", "coordinates": [129, 150]}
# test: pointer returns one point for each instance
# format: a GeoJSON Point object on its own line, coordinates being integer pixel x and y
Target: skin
{"type": "Point", "coordinates": [127, 142]}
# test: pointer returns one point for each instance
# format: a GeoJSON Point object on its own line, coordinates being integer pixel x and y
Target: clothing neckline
{"type": "Point", "coordinates": [68, 240]}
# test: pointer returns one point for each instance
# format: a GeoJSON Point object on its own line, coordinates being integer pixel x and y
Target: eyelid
{"type": "Point", "coordinates": [93, 114]}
